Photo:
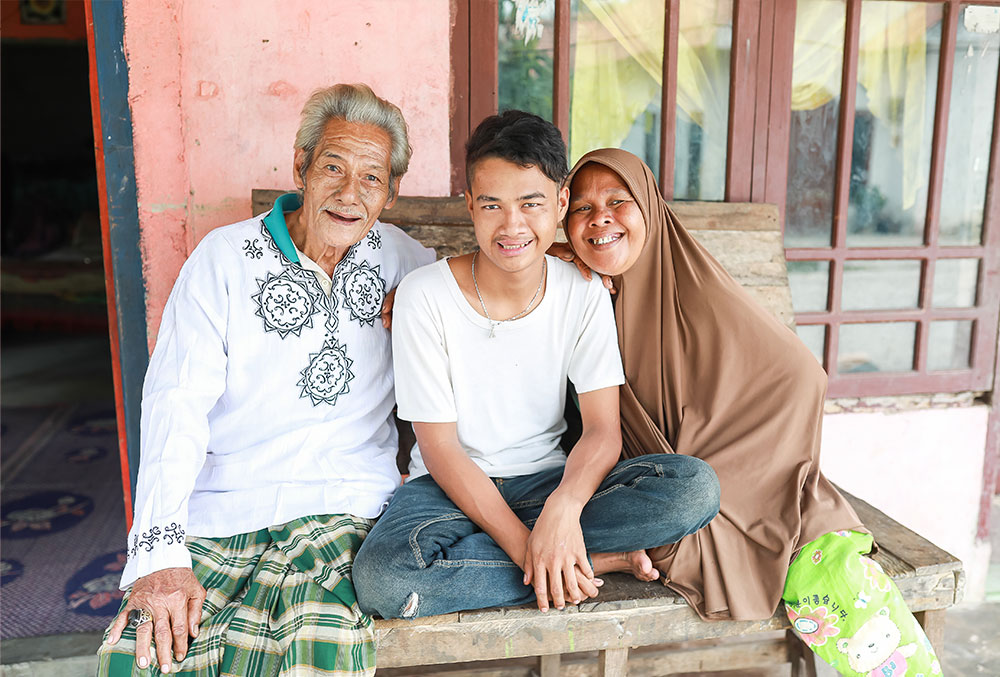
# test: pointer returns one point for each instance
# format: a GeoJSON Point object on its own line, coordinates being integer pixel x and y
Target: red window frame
{"type": "Point", "coordinates": [759, 124]}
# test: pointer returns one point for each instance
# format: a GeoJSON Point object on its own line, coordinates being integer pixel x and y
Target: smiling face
{"type": "Point", "coordinates": [515, 211]}
{"type": "Point", "coordinates": [605, 225]}
{"type": "Point", "coordinates": [346, 183]}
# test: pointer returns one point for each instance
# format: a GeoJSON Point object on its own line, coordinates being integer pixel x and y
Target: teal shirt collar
{"type": "Point", "coordinates": [276, 226]}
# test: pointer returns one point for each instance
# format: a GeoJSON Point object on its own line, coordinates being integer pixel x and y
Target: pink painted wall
{"type": "Point", "coordinates": [923, 468]}
{"type": "Point", "coordinates": [216, 86]}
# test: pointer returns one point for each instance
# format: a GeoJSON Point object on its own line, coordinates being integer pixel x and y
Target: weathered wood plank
{"type": "Point", "coordinates": [553, 632]}
{"type": "Point", "coordinates": [726, 215]}
{"type": "Point", "coordinates": [932, 621]}
{"type": "Point", "coordinates": [765, 650]}
{"type": "Point", "coordinates": [803, 660]}
{"type": "Point", "coordinates": [451, 211]}
{"type": "Point", "coordinates": [548, 666]}
{"type": "Point", "coordinates": [613, 662]}
{"type": "Point", "coordinates": [909, 546]}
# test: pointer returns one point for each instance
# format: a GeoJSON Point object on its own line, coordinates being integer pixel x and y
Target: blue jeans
{"type": "Point", "coordinates": [425, 544]}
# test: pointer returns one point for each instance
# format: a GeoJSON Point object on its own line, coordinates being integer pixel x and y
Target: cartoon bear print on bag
{"type": "Point", "coordinates": [874, 649]}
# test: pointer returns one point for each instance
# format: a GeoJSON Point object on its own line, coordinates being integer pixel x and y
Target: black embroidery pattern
{"type": "Point", "coordinates": [364, 292]}
{"type": "Point", "coordinates": [328, 375]}
{"type": "Point", "coordinates": [287, 301]}
{"type": "Point", "coordinates": [284, 303]}
{"type": "Point", "coordinates": [271, 244]}
{"type": "Point", "coordinates": [252, 249]}
{"type": "Point", "coordinates": [146, 542]}
{"type": "Point", "coordinates": [171, 534]}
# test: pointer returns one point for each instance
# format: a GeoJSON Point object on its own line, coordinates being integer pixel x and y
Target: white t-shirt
{"type": "Point", "coordinates": [507, 393]}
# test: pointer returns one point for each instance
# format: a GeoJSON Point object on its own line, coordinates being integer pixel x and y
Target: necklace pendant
{"type": "Point", "coordinates": [492, 330]}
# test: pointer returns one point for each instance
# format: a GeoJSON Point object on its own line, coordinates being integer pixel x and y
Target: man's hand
{"type": "Point", "coordinates": [562, 250]}
{"type": "Point", "coordinates": [174, 598]}
{"type": "Point", "coordinates": [555, 560]}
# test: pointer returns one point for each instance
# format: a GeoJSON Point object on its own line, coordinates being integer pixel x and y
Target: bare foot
{"type": "Point", "coordinates": [636, 562]}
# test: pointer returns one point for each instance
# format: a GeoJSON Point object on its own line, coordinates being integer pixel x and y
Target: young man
{"type": "Point", "coordinates": [494, 513]}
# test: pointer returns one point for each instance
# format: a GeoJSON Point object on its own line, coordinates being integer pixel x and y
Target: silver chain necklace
{"type": "Point", "coordinates": [496, 323]}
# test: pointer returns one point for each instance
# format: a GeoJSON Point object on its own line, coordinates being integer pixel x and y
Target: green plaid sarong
{"type": "Point", "coordinates": [279, 602]}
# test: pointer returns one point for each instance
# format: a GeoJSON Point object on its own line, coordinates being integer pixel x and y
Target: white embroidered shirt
{"type": "Point", "coordinates": [269, 394]}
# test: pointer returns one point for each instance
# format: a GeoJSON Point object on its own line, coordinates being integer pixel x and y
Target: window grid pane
{"type": "Point", "coordinates": [955, 313]}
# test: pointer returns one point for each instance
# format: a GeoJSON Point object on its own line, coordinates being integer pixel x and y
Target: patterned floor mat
{"type": "Point", "coordinates": [62, 524]}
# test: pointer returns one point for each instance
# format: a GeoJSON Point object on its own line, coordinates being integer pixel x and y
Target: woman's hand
{"type": "Point", "coordinates": [562, 250]}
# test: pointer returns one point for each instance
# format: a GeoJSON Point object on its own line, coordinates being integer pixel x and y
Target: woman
{"type": "Point", "coordinates": [712, 374]}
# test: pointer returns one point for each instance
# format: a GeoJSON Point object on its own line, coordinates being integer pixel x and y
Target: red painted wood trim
{"type": "Point", "coordinates": [668, 96]}
{"type": "Point", "coordinates": [109, 277]}
{"type": "Point", "coordinates": [893, 315]}
{"type": "Point", "coordinates": [560, 69]}
{"type": "Point", "coordinates": [764, 75]}
{"type": "Point", "coordinates": [742, 92]}
{"type": "Point", "coordinates": [888, 253]}
{"type": "Point", "coordinates": [880, 384]}
{"type": "Point", "coordinates": [924, 301]}
{"type": "Point", "coordinates": [779, 121]}
{"type": "Point", "coordinates": [483, 66]}
{"type": "Point", "coordinates": [942, 107]}
{"type": "Point", "coordinates": [845, 139]}
{"type": "Point", "coordinates": [990, 298]}
{"type": "Point", "coordinates": [459, 106]}
{"type": "Point", "coordinates": [845, 125]}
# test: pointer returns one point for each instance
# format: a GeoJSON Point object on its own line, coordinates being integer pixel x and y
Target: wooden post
{"type": "Point", "coordinates": [549, 665]}
{"type": "Point", "coordinates": [800, 656]}
{"type": "Point", "coordinates": [613, 662]}
{"type": "Point", "coordinates": [932, 622]}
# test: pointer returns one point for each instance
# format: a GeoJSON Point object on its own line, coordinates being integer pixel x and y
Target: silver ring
{"type": "Point", "coordinates": [137, 617]}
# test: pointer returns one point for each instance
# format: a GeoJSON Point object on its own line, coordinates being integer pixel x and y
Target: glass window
{"type": "Point", "coordinates": [893, 123]}
{"type": "Point", "coordinates": [814, 336]}
{"type": "Point", "coordinates": [812, 149]}
{"type": "Point", "coordinates": [616, 86]}
{"type": "Point", "coordinates": [524, 57]}
{"type": "Point", "coordinates": [810, 282]}
{"type": "Point", "coordinates": [876, 346]}
{"type": "Point", "coordinates": [703, 56]}
{"type": "Point", "coordinates": [949, 345]}
{"type": "Point", "coordinates": [970, 128]}
{"type": "Point", "coordinates": [955, 283]}
{"type": "Point", "coordinates": [880, 285]}
{"type": "Point", "coordinates": [615, 92]}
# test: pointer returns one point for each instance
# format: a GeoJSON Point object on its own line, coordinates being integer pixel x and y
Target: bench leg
{"type": "Point", "coordinates": [932, 621]}
{"type": "Point", "coordinates": [549, 666]}
{"type": "Point", "coordinates": [802, 658]}
{"type": "Point", "coordinates": [613, 663]}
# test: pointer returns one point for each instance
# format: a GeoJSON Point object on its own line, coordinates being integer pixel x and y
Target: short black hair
{"type": "Point", "coordinates": [521, 138]}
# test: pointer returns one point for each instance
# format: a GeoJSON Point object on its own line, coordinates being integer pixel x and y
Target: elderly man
{"type": "Point", "coordinates": [268, 445]}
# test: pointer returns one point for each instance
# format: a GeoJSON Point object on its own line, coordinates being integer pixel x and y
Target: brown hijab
{"type": "Point", "coordinates": [712, 374]}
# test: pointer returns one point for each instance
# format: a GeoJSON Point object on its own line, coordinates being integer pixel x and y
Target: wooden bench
{"type": "Point", "coordinates": [634, 627]}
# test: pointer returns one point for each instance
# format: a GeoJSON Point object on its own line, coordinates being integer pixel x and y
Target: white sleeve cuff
{"type": "Point", "coordinates": [155, 549]}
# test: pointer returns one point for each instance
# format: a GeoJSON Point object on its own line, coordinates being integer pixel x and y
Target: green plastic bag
{"type": "Point", "coordinates": [851, 614]}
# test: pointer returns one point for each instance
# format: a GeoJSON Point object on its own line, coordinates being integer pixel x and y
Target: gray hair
{"type": "Point", "coordinates": [354, 103]}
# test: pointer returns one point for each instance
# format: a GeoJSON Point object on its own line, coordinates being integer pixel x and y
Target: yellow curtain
{"type": "Point", "coordinates": [619, 64]}
{"type": "Point", "coordinates": [892, 69]}
{"type": "Point", "coordinates": [619, 56]}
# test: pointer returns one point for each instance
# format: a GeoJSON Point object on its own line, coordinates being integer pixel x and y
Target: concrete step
{"type": "Point", "coordinates": [72, 655]}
